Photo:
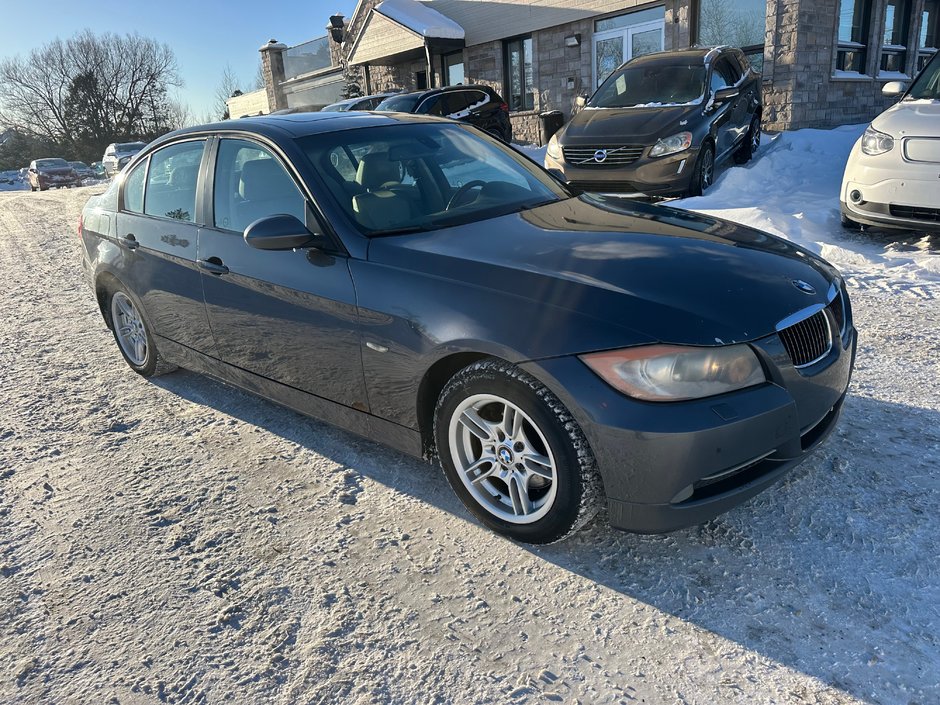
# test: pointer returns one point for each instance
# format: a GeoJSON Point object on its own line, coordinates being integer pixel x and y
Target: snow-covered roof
{"type": "Point", "coordinates": [420, 18]}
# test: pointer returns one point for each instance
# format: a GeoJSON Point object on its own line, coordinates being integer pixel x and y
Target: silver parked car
{"type": "Point", "coordinates": [118, 154]}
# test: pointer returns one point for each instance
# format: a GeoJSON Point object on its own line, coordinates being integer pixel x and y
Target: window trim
{"type": "Point", "coordinates": [520, 38]}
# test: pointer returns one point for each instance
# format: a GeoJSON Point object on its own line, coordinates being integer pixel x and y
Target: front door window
{"type": "Point", "coordinates": [619, 39]}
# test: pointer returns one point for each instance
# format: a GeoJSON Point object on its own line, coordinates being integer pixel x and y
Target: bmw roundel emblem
{"type": "Point", "coordinates": [505, 455]}
{"type": "Point", "coordinates": [803, 286]}
{"type": "Point", "coordinates": [600, 155]}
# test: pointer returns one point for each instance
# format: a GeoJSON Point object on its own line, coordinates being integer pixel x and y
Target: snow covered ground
{"type": "Point", "coordinates": [179, 541]}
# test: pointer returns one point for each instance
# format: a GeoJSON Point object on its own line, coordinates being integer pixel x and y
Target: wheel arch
{"type": "Point", "coordinates": [106, 283]}
{"type": "Point", "coordinates": [432, 384]}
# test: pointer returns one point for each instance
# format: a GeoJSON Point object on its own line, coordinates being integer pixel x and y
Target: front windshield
{"type": "Point", "coordinates": [130, 147]}
{"type": "Point", "coordinates": [336, 108]}
{"type": "Point", "coordinates": [399, 103]}
{"type": "Point", "coordinates": [408, 178]}
{"type": "Point", "coordinates": [51, 163]}
{"type": "Point", "coordinates": [651, 85]}
{"type": "Point", "coordinates": [79, 165]}
{"type": "Point", "coordinates": [927, 85]}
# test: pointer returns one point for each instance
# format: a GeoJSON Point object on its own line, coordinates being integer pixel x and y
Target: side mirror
{"type": "Point", "coordinates": [892, 89]}
{"type": "Point", "coordinates": [32, 170]}
{"type": "Point", "coordinates": [723, 95]}
{"type": "Point", "coordinates": [278, 232]}
{"type": "Point", "coordinates": [580, 101]}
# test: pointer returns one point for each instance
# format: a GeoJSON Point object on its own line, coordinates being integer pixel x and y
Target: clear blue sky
{"type": "Point", "coordinates": [204, 34]}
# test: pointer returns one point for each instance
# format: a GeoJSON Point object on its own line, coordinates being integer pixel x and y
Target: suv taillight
{"type": "Point", "coordinates": [504, 107]}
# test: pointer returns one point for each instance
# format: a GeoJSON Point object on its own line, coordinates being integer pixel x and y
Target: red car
{"type": "Point", "coordinates": [49, 173]}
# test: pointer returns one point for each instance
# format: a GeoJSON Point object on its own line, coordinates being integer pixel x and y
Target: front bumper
{"type": "Point", "coordinates": [895, 193]}
{"type": "Point", "coordinates": [669, 466]}
{"type": "Point", "coordinates": [662, 176]}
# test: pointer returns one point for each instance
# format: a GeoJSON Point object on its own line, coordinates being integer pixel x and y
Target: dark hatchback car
{"type": "Point", "coordinates": [660, 124]}
{"type": "Point", "coordinates": [422, 284]}
{"type": "Point", "coordinates": [477, 105]}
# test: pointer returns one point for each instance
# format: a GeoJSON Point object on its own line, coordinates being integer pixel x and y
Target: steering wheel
{"type": "Point", "coordinates": [462, 191]}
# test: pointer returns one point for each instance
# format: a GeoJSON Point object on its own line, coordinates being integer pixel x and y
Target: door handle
{"type": "Point", "coordinates": [130, 242]}
{"type": "Point", "coordinates": [213, 265]}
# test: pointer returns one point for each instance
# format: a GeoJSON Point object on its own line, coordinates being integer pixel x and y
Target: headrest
{"type": "Point", "coordinates": [264, 179]}
{"type": "Point", "coordinates": [184, 176]}
{"type": "Point", "coordinates": [375, 171]}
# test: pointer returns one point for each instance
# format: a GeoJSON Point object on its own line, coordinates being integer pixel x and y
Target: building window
{"type": "Point", "coordinates": [619, 39]}
{"type": "Point", "coordinates": [929, 33]}
{"type": "Point", "coordinates": [421, 80]}
{"type": "Point", "coordinates": [853, 35]}
{"type": "Point", "coordinates": [897, 26]}
{"type": "Point", "coordinates": [519, 80]}
{"type": "Point", "coordinates": [740, 23]}
{"type": "Point", "coordinates": [452, 68]}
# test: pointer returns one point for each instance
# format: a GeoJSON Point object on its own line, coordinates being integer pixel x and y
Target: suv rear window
{"type": "Point", "coordinates": [399, 103]}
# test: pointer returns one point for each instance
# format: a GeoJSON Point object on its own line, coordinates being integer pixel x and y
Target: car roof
{"type": "Point", "coordinates": [678, 56]}
{"type": "Point", "coordinates": [296, 125]}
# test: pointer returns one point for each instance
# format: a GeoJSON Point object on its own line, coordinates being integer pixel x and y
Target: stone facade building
{"type": "Point", "coordinates": [823, 62]}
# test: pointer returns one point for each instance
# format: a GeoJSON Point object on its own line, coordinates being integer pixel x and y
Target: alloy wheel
{"type": "Point", "coordinates": [503, 459]}
{"type": "Point", "coordinates": [129, 329]}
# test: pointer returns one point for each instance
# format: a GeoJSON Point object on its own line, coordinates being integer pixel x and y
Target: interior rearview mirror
{"type": "Point", "coordinates": [892, 89]}
{"type": "Point", "coordinates": [278, 232]}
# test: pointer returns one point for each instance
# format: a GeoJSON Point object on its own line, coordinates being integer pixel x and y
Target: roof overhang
{"type": "Point", "coordinates": [396, 29]}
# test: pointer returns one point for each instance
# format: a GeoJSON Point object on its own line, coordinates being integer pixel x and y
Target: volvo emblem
{"type": "Point", "coordinates": [803, 286]}
{"type": "Point", "coordinates": [600, 155]}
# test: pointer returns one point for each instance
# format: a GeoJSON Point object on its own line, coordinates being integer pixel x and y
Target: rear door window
{"type": "Point", "coordinates": [172, 180]}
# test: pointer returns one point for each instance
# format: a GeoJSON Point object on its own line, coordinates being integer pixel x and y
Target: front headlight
{"type": "Point", "coordinates": [875, 142]}
{"type": "Point", "coordinates": [672, 145]}
{"type": "Point", "coordinates": [554, 148]}
{"type": "Point", "coordinates": [674, 373]}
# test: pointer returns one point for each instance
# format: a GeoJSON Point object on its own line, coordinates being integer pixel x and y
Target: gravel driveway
{"type": "Point", "coordinates": [180, 541]}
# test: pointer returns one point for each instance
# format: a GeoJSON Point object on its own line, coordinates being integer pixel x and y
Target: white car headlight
{"type": "Point", "coordinates": [674, 373]}
{"type": "Point", "coordinates": [554, 148]}
{"type": "Point", "coordinates": [672, 145]}
{"type": "Point", "coordinates": [875, 142]}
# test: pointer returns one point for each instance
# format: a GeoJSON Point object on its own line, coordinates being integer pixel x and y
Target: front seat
{"type": "Point", "coordinates": [380, 207]}
{"type": "Point", "coordinates": [265, 190]}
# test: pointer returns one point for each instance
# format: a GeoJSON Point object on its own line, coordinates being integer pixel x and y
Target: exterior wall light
{"type": "Point", "coordinates": [573, 40]}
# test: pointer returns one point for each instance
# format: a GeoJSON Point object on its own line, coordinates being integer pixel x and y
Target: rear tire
{"type": "Point", "coordinates": [133, 335]}
{"type": "Point", "coordinates": [745, 152]}
{"type": "Point", "coordinates": [514, 455]}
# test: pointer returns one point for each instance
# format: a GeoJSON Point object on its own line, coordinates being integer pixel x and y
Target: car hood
{"type": "Point", "coordinates": [666, 274]}
{"type": "Point", "coordinates": [603, 126]}
{"type": "Point", "coordinates": [910, 118]}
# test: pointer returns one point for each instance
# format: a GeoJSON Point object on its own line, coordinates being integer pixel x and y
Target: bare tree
{"type": "Point", "coordinates": [227, 88]}
{"type": "Point", "coordinates": [259, 77]}
{"type": "Point", "coordinates": [89, 90]}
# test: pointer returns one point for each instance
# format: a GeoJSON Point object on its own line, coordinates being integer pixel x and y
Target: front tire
{"type": "Point", "coordinates": [704, 173]}
{"type": "Point", "coordinates": [133, 336]}
{"type": "Point", "coordinates": [514, 455]}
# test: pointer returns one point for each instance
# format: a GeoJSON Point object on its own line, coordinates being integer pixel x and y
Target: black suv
{"type": "Point", "coordinates": [660, 123]}
{"type": "Point", "coordinates": [478, 105]}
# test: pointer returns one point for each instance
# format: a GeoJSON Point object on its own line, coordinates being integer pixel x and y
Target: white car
{"type": "Point", "coordinates": [118, 154]}
{"type": "Point", "coordinates": [892, 178]}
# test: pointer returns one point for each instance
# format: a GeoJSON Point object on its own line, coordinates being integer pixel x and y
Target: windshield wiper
{"type": "Point", "coordinates": [400, 231]}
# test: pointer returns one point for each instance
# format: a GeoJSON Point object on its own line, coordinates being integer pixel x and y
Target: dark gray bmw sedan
{"type": "Point", "coordinates": [420, 283]}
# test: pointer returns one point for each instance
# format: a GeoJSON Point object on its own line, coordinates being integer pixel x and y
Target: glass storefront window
{"type": "Point", "coordinates": [519, 78]}
{"type": "Point", "coordinates": [621, 38]}
{"type": "Point", "coordinates": [854, 16]}
{"type": "Point", "coordinates": [929, 32]}
{"type": "Point", "coordinates": [894, 44]}
{"type": "Point", "coordinates": [740, 23]}
{"type": "Point", "coordinates": [453, 68]}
